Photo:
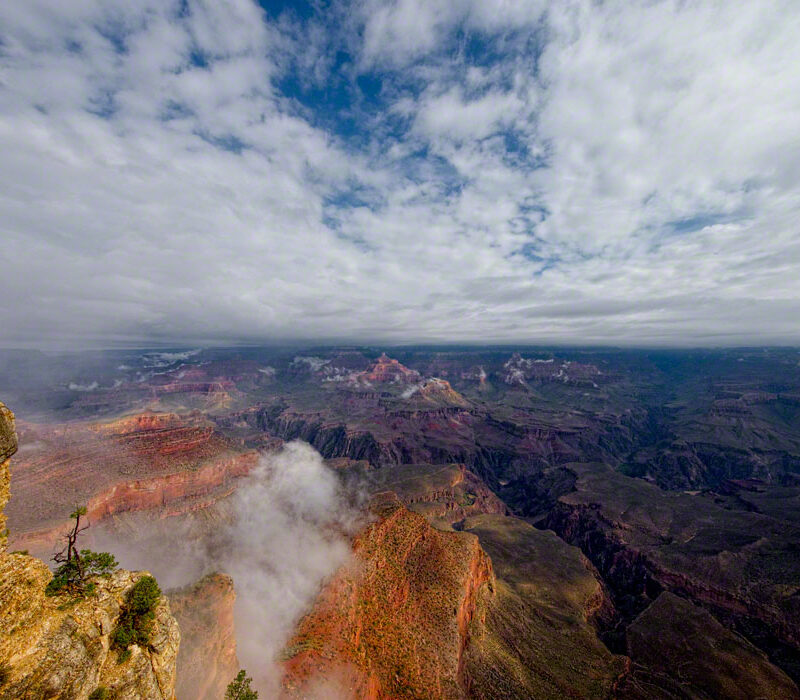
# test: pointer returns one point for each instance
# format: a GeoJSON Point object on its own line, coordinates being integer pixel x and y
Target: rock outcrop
{"type": "Point", "coordinates": [60, 647]}
{"type": "Point", "coordinates": [8, 446]}
{"type": "Point", "coordinates": [388, 370]}
{"type": "Point", "coordinates": [207, 658]}
{"type": "Point", "coordinates": [394, 622]}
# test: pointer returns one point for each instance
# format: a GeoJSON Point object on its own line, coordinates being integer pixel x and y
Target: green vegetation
{"type": "Point", "coordinates": [135, 625]}
{"type": "Point", "coordinates": [77, 568]}
{"type": "Point", "coordinates": [239, 688]}
{"type": "Point", "coordinates": [101, 693]}
{"type": "Point", "coordinates": [5, 672]}
{"type": "Point", "coordinates": [467, 499]}
{"type": "Point", "coordinates": [304, 644]}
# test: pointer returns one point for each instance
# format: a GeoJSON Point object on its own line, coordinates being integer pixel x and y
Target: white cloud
{"type": "Point", "coordinates": [562, 172]}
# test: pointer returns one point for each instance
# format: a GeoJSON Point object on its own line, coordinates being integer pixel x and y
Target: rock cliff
{"type": "Point", "coordinates": [207, 659]}
{"type": "Point", "coordinates": [8, 446]}
{"type": "Point", "coordinates": [740, 566]}
{"type": "Point", "coordinates": [394, 623]}
{"type": "Point", "coordinates": [160, 462]}
{"type": "Point", "coordinates": [60, 647]}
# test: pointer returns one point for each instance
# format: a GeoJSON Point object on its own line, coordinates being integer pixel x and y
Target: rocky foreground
{"type": "Point", "coordinates": [60, 646]}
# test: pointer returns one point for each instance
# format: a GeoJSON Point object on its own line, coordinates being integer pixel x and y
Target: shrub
{"type": "Point", "coordinates": [239, 688]}
{"type": "Point", "coordinates": [73, 575]}
{"type": "Point", "coordinates": [135, 625]}
{"type": "Point", "coordinates": [101, 693]}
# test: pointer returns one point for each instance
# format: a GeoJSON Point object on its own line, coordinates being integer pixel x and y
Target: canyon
{"type": "Point", "coordinates": [533, 517]}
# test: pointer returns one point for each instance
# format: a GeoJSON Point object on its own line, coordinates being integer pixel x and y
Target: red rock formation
{"type": "Point", "coordinates": [389, 371]}
{"type": "Point", "coordinates": [395, 622]}
{"type": "Point", "coordinates": [207, 657]}
{"type": "Point", "coordinates": [162, 491]}
{"type": "Point", "coordinates": [437, 392]}
{"type": "Point", "coordinates": [164, 462]}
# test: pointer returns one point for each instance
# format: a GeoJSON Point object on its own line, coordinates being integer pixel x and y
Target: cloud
{"type": "Point", "coordinates": [284, 531]}
{"type": "Point", "coordinates": [83, 387]}
{"type": "Point", "coordinates": [399, 171]}
{"type": "Point", "coordinates": [289, 536]}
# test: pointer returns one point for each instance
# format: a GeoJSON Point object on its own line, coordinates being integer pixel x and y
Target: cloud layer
{"type": "Point", "coordinates": [528, 171]}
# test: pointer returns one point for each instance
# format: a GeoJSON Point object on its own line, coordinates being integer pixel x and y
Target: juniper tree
{"type": "Point", "coordinates": [75, 568]}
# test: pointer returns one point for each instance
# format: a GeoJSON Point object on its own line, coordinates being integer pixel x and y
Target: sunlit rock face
{"type": "Point", "coordinates": [396, 620]}
{"type": "Point", "coordinates": [55, 650]}
{"type": "Point", "coordinates": [207, 658]}
{"type": "Point", "coordinates": [388, 370]}
{"type": "Point", "coordinates": [159, 462]}
{"type": "Point", "coordinates": [8, 446]}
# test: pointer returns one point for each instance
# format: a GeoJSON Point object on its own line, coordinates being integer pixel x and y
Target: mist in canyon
{"type": "Point", "coordinates": [279, 536]}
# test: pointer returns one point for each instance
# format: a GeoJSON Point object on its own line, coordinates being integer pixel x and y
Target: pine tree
{"type": "Point", "coordinates": [239, 688]}
{"type": "Point", "coordinates": [77, 567]}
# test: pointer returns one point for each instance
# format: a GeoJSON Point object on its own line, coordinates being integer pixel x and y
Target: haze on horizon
{"type": "Point", "coordinates": [418, 170]}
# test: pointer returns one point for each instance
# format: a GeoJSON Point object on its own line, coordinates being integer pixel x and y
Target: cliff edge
{"type": "Point", "coordinates": [8, 446]}
{"type": "Point", "coordinates": [60, 647]}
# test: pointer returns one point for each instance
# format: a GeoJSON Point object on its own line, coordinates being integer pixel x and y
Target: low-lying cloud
{"type": "Point", "coordinates": [287, 529]}
{"type": "Point", "coordinates": [290, 534]}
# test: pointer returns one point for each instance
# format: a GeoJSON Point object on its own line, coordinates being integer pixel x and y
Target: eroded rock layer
{"type": "Point", "coordinates": [160, 462]}
{"type": "Point", "coordinates": [742, 566]}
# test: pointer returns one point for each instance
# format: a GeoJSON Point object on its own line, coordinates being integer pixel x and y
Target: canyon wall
{"type": "Point", "coordinates": [163, 463]}
{"type": "Point", "coordinates": [396, 621]}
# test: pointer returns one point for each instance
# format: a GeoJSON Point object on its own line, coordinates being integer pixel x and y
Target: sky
{"type": "Point", "coordinates": [570, 171]}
